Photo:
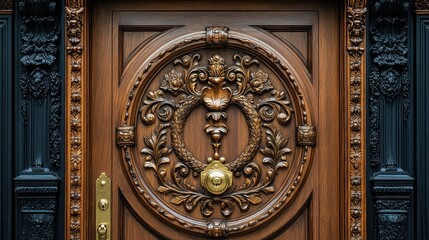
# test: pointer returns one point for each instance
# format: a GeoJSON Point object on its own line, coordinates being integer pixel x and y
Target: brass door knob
{"type": "Point", "coordinates": [216, 178]}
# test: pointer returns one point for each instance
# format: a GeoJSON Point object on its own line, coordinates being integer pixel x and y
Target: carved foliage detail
{"type": "Point", "coordinates": [388, 77]}
{"type": "Point", "coordinates": [216, 96]}
{"type": "Point", "coordinates": [356, 31]}
{"type": "Point", "coordinates": [40, 79]}
{"type": "Point", "coordinates": [216, 87]}
{"type": "Point", "coordinates": [74, 20]}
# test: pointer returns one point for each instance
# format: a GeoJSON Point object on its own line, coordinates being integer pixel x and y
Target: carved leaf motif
{"type": "Point", "coordinates": [179, 199]}
{"type": "Point", "coordinates": [155, 147]}
{"type": "Point", "coordinates": [254, 199]}
{"type": "Point", "coordinates": [216, 99]}
{"type": "Point", "coordinates": [276, 149]}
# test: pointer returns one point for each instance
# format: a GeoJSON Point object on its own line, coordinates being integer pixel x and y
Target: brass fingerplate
{"type": "Point", "coordinates": [103, 207]}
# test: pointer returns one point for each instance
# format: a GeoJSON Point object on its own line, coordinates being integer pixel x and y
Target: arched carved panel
{"type": "Point", "coordinates": [207, 86]}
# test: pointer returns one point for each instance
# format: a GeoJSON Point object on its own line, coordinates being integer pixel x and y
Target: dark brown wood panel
{"type": "Point", "coordinates": [297, 49]}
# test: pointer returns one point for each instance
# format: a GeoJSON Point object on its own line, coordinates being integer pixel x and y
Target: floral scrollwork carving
{"type": "Point", "coordinates": [216, 87]}
{"type": "Point", "coordinates": [190, 196]}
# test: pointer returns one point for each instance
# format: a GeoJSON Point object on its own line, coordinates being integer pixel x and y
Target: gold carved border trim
{"type": "Point", "coordinates": [354, 77]}
{"type": "Point", "coordinates": [76, 65]}
{"type": "Point", "coordinates": [355, 17]}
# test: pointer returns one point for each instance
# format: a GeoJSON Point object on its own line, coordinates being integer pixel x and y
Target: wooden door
{"type": "Point", "coordinates": [216, 119]}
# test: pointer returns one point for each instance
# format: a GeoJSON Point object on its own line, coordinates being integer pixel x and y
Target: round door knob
{"type": "Point", "coordinates": [216, 178]}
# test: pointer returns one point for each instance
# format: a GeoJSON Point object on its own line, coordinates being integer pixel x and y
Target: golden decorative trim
{"type": "Point", "coordinates": [75, 120]}
{"type": "Point", "coordinates": [355, 78]}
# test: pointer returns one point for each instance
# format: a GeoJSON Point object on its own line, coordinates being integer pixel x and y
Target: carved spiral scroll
{"type": "Point", "coordinates": [177, 129]}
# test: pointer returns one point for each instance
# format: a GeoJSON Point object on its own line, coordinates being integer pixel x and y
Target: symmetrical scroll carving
{"type": "Point", "coordinates": [216, 96]}
{"type": "Point", "coordinates": [182, 89]}
{"type": "Point", "coordinates": [356, 12]}
{"type": "Point", "coordinates": [74, 28]}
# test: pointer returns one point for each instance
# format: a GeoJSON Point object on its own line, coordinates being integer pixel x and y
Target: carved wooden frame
{"type": "Point", "coordinates": [353, 111]}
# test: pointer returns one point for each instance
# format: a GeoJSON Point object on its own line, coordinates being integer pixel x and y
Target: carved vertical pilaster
{"type": "Point", "coordinates": [6, 123]}
{"type": "Point", "coordinates": [390, 119]}
{"type": "Point", "coordinates": [422, 126]}
{"type": "Point", "coordinates": [40, 83]}
{"type": "Point", "coordinates": [75, 75]}
{"type": "Point", "coordinates": [38, 125]}
{"type": "Point", "coordinates": [355, 59]}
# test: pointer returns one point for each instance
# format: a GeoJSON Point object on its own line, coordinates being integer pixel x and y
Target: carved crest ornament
{"type": "Point", "coordinates": [216, 183]}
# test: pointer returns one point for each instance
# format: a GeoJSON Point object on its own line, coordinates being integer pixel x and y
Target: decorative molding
{"type": "Point", "coordinates": [6, 4]}
{"type": "Point", "coordinates": [356, 21]}
{"type": "Point", "coordinates": [422, 126]}
{"type": "Point", "coordinates": [75, 80]}
{"type": "Point", "coordinates": [158, 107]}
{"type": "Point", "coordinates": [36, 198]}
{"type": "Point", "coordinates": [354, 75]}
{"type": "Point", "coordinates": [40, 78]}
{"type": "Point", "coordinates": [389, 82]}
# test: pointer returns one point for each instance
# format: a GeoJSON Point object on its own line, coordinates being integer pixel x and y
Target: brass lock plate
{"type": "Point", "coordinates": [103, 209]}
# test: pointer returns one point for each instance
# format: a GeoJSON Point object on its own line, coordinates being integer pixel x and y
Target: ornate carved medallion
{"type": "Point", "coordinates": [221, 188]}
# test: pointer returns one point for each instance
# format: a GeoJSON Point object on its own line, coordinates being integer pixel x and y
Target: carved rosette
{"type": "Point", "coordinates": [216, 185]}
{"type": "Point", "coordinates": [356, 12]}
{"type": "Point", "coordinates": [74, 10]}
